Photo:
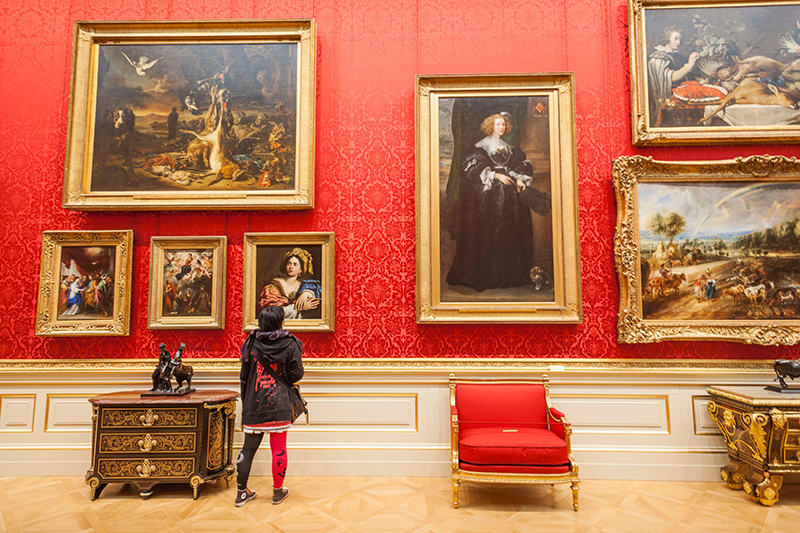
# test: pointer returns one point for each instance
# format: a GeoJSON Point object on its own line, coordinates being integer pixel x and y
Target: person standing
{"type": "Point", "coordinates": [666, 67]}
{"type": "Point", "coordinates": [494, 235]}
{"type": "Point", "coordinates": [172, 124]}
{"type": "Point", "coordinates": [269, 352]}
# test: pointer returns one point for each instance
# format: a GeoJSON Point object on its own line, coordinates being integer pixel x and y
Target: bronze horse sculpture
{"type": "Point", "coordinates": [786, 368]}
{"type": "Point", "coordinates": [169, 367]}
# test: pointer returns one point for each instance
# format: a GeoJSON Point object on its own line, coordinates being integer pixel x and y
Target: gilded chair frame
{"type": "Point", "coordinates": [459, 474]}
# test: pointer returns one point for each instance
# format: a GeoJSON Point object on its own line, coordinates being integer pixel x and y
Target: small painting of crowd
{"type": "Point", "coordinates": [736, 275]}
{"type": "Point", "coordinates": [193, 117]}
{"type": "Point", "coordinates": [86, 285]}
{"type": "Point", "coordinates": [290, 277]}
{"type": "Point", "coordinates": [723, 66]}
{"type": "Point", "coordinates": [188, 278]}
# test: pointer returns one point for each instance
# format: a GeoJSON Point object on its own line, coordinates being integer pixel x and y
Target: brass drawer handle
{"type": "Point", "coordinates": [147, 443]}
{"type": "Point", "coordinates": [148, 418]}
{"type": "Point", "coordinates": [145, 469]}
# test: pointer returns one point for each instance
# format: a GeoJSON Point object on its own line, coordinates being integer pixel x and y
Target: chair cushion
{"type": "Point", "coordinates": [501, 404]}
{"type": "Point", "coordinates": [523, 446]}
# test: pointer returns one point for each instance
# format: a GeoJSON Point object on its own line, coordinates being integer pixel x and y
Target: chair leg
{"type": "Point", "coordinates": [575, 494]}
{"type": "Point", "coordinates": [456, 482]}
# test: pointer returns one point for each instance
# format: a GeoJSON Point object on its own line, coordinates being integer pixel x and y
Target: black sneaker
{"type": "Point", "coordinates": [278, 495]}
{"type": "Point", "coordinates": [244, 496]}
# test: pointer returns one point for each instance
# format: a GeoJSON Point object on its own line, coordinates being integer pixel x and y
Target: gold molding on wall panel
{"type": "Point", "coordinates": [552, 366]}
{"type": "Point", "coordinates": [715, 430]}
{"type": "Point", "coordinates": [47, 428]}
{"type": "Point", "coordinates": [32, 419]}
{"type": "Point", "coordinates": [356, 426]}
{"type": "Point", "coordinates": [665, 397]}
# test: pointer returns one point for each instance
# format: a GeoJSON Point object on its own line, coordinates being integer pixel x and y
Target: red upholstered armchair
{"type": "Point", "coordinates": [506, 431]}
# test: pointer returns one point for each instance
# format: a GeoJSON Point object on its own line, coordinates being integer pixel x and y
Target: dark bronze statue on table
{"type": "Point", "coordinates": [168, 367]}
{"type": "Point", "coordinates": [785, 368]}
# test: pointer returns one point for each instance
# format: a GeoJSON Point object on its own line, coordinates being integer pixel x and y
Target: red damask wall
{"type": "Point", "coordinates": [368, 55]}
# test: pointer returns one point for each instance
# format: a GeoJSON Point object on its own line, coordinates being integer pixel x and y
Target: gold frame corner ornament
{"type": "Point", "coordinates": [326, 240]}
{"type": "Point", "coordinates": [48, 323]}
{"type": "Point", "coordinates": [632, 327]}
{"type": "Point", "coordinates": [559, 89]}
{"type": "Point", "coordinates": [89, 36]}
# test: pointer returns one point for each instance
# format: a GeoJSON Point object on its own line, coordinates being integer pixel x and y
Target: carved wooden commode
{"type": "Point", "coordinates": [161, 439]}
{"type": "Point", "coordinates": [762, 431]}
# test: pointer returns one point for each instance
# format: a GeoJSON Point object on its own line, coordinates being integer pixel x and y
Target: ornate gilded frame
{"type": "Point", "coordinates": [282, 242]}
{"type": "Point", "coordinates": [91, 36]}
{"type": "Point", "coordinates": [643, 134]}
{"type": "Point", "coordinates": [48, 322]}
{"type": "Point", "coordinates": [628, 173]}
{"type": "Point", "coordinates": [156, 319]}
{"type": "Point", "coordinates": [558, 90]}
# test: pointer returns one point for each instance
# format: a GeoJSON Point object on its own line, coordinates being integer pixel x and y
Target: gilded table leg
{"type": "Point", "coordinates": [455, 492]}
{"type": "Point", "coordinates": [95, 487]}
{"type": "Point", "coordinates": [762, 487]}
{"type": "Point", "coordinates": [195, 482]}
{"type": "Point", "coordinates": [733, 473]}
{"type": "Point", "coordinates": [575, 494]}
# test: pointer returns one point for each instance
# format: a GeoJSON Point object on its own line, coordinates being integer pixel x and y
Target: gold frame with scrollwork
{"type": "Point", "coordinates": [559, 90]}
{"type": "Point", "coordinates": [48, 324]}
{"type": "Point", "coordinates": [90, 36]}
{"type": "Point", "coordinates": [643, 133]}
{"type": "Point", "coordinates": [628, 172]}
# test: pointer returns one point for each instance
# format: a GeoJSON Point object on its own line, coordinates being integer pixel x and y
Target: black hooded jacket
{"type": "Point", "coordinates": [263, 399]}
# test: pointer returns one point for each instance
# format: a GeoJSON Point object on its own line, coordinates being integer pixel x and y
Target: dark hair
{"type": "Point", "coordinates": [270, 318]}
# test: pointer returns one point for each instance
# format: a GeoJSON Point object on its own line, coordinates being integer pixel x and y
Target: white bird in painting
{"type": "Point", "coordinates": [143, 64]}
{"type": "Point", "coordinates": [191, 105]}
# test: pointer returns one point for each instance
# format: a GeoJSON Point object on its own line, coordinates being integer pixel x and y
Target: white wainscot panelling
{"type": "Point", "coordinates": [615, 414]}
{"type": "Point", "coordinates": [703, 423]}
{"type": "Point", "coordinates": [352, 411]}
{"type": "Point", "coordinates": [17, 412]}
{"type": "Point", "coordinates": [627, 424]}
{"type": "Point", "coordinates": [68, 413]}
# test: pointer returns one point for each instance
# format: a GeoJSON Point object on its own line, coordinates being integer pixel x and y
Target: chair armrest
{"type": "Point", "coordinates": [560, 425]}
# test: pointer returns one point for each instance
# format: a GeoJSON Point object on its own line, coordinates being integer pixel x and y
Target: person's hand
{"type": "Point", "coordinates": [521, 185]}
{"type": "Point", "coordinates": [693, 57]}
{"type": "Point", "coordinates": [306, 301]}
{"type": "Point", "coordinates": [503, 178]}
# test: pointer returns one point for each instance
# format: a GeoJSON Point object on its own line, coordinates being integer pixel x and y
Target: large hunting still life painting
{"type": "Point", "coordinates": [222, 119]}
{"type": "Point", "coordinates": [717, 252]}
{"type": "Point", "coordinates": [705, 72]}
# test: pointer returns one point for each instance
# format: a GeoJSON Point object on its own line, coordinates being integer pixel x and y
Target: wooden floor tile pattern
{"type": "Point", "coordinates": [369, 504]}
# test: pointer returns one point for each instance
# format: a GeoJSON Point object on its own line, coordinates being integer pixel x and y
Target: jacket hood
{"type": "Point", "coordinates": [273, 351]}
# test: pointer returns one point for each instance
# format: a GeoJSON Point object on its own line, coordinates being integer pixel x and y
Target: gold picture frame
{"type": "Point", "coordinates": [696, 232]}
{"type": "Point", "coordinates": [455, 255]}
{"type": "Point", "coordinates": [268, 281]}
{"type": "Point", "coordinates": [713, 71]}
{"type": "Point", "coordinates": [187, 283]}
{"type": "Point", "coordinates": [85, 283]}
{"type": "Point", "coordinates": [192, 115]}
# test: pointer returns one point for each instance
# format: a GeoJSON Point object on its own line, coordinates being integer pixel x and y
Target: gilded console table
{"type": "Point", "coordinates": [762, 430]}
{"type": "Point", "coordinates": [161, 439]}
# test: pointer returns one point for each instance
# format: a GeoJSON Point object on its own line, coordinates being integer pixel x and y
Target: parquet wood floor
{"type": "Point", "coordinates": [370, 504]}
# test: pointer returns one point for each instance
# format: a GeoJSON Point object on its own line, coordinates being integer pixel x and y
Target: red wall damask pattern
{"type": "Point", "coordinates": [368, 55]}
